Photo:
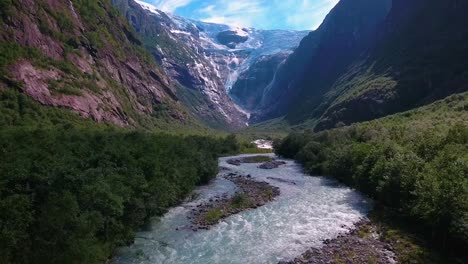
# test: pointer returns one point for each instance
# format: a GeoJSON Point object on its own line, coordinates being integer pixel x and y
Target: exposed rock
{"type": "Point", "coordinates": [306, 76]}
{"type": "Point", "coordinates": [360, 245]}
{"type": "Point", "coordinates": [189, 61]}
{"type": "Point", "coordinates": [194, 57]}
{"type": "Point", "coordinates": [83, 64]}
{"type": "Point", "coordinates": [231, 38]}
{"type": "Point", "coordinates": [235, 162]}
{"type": "Point", "coordinates": [253, 194]}
{"type": "Point", "coordinates": [224, 169]}
{"type": "Point", "coordinates": [282, 180]}
{"type": "Point", "coordinates": [35, 84]}
{"type": "Point", "coordinates": [27, 33]}
{"type": "Point", "coordinates": [95, 81]}
{"type": "Point", "coordinates": [250, 87]}
{"type": "Point", "coordinates": [249, 159]}
{"type": "Point", "coordinates": [364, 62]}
{"type": "Point", "coordinates": [271, 165]}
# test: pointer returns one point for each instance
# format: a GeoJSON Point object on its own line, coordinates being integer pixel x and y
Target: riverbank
{"type": "Point", "coordinates": [280, 228]}
{"type": "Point", "coordinates": [249, 159]}
{"type": "Point", "coordinates": [361, 244]}
{"type": "Point", "coordinates": [413, 165]}
{"type": "Point", "coordinates": [379, 238]}
{"type": "Point", "coordinates": [252, 194]}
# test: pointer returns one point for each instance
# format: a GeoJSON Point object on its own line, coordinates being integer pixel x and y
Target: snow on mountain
{"type": "Point", "coordinates": [214, 54]}
{"type": "Point", "coordinates": [148, 7]}
{"type": "Point", "coordinates": [241, 57]}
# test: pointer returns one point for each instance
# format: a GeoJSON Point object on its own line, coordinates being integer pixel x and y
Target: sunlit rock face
{"type": "Point", "coordinates": [106, 81]}
{"type": "Point", "coordinates": [205, 58]}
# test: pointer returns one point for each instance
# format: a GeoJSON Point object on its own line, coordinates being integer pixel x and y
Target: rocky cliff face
{"type": "Point", "coordinates": [370, 59]}
{"type": "Point", "coordinates": [177, 46]}
{"type": "Point", "coordinates": [205, 59]}
{"type": "Point", "coordinates": [231, 39]}
{"type": "Point", "coordinates": [348, 30]}
{"type": "Point", "coordinates": [82, 56]}
{"type": "Point", "coordinates": [249, 88]}
{"type": "Point", "coordinates": [420, 57]}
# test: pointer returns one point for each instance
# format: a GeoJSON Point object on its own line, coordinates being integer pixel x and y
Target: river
{"type": "Point", "coordinates": [302, 216]}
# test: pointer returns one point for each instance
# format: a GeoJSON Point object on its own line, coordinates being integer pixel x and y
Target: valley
{"type": "Point", "coordinates": [156, 131]}
{"type": "Point", "coordinates": [294, 221]}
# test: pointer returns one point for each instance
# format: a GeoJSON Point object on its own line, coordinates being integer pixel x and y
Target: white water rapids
{"type": "Point", "coordinates": [305, 214]}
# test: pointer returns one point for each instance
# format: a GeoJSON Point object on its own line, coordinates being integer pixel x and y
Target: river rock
{"type": "Point", "coordinates": [259, 193]}
{"type": "Point", "coordinates": [282, 180]}
{"type": "Point", "coordinates": [235, 162]}
{"type": "Point", "coordinates": [271, 164]}
{"type": "Point", "coordinates": [360, 245]}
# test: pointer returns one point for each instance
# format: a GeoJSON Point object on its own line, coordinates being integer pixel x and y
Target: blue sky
{"type": "Point", "coordinates": [262, 14]}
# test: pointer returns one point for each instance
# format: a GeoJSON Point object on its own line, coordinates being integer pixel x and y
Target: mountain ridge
{"type": "Point", "coordinates": [197, 59]}
{"type": "Point", "coordinates": [323, 54]}
{"type": "Point", "coordinates": [413, 54]}
{"type": "Point", "coordinates": [56, 53]}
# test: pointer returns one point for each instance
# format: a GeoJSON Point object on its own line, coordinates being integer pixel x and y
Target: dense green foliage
{"type": "Point", "coordinates": [415, 163]}
{"type": "Point", "coordinates": [72, 196]}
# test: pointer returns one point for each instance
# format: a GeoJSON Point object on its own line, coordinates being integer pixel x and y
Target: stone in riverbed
{"type": "Point", "coordinates": [235, 162]}
{"type": "Point", "coordinates": [249, 190]}
{"type": "Point", "coordinates": [282, 180]}
{"type": "Point", "coordinates": [271, 164]}
{"type": "Point", "coordinates": [351, 248]}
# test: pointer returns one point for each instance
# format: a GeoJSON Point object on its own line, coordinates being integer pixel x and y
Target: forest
{"type": "Point", "coordinates": [415, 164]}
{"type": "Point", "coordinates": [70, 195]}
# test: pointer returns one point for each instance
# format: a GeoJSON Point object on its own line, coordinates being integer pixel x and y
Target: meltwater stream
{"type": "Point", "coordinates": [306, 213]}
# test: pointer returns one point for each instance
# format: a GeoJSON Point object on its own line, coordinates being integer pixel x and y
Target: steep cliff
{"type": "Point", "coordinates": [83, 56]}
{"type": "Point", "coordinates": [370, 59]}
{"type": "Point", "coordinates": [250, 86]}
{"type": "Point", "coordinates": [421, 57]}
{"type": "Point", "coordinates": [348, 30]}
{"type": "Point", "coordinates": [205, 59]}
{"type": "Point", "coordinates": [177, 46]}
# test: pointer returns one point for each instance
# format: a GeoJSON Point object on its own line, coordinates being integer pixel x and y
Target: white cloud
{"type": "Point", "coordinates": [307, 14]}
{"type": "Point", "coordinates": [240, 13]}
{"type": "Point", "coordinates": [266, 14]}
{"type": "Point", "coordinates": [207, 9]}
{"type": "Point", "coordinates": [170, 5]}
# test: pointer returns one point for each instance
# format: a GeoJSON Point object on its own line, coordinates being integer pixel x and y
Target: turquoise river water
{"type": "Point", "coordinates": [306, 213]}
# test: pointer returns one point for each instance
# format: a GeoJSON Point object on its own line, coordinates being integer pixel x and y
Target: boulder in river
{"type": "Point", "coordinates": [271, 164]}
{"type": "Point", "coordinates": [282, 180]}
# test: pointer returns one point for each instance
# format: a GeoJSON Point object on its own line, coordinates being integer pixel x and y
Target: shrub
{"type": "Point", "coordinates": [213, 216]}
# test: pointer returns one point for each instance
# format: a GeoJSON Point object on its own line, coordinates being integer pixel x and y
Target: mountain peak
{"type": "Point", "coordinates": [206, 58]}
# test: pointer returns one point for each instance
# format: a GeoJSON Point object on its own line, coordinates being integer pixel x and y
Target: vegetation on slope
{"type": "Point", "coordinates": [84, 57]}
{"type": "Point", "coordinates": [415, 163]}
{"type": "Point", "coordinates": [72, 190]}
{"type": "Point", "coordinates": [365, 63]}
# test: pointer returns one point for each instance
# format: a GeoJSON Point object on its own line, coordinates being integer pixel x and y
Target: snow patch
{"type": "Point", "coordinates": [148, 7]}
{"type": "Point", "coordinates": [263, 144]}
{"type": "Point", "coordinates": [174, 31]}
{"type": "Point", "coordinates": [240, 31]}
